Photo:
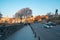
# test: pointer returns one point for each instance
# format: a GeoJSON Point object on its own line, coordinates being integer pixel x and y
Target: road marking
{"type": "Point", "coordinates": [0, 35]}
{"type": "Point", "coordinates": [58, 33]}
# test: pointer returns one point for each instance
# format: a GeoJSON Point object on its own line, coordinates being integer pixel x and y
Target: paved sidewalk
{"type": "Point", "coordinates": [23, 34]}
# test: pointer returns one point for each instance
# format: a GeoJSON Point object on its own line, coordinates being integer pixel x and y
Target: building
{"type": "Point", "coordinates": [56, 12]}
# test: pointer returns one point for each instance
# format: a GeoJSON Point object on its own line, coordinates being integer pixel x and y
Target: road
{"type": "Point", "coordinates": [46, 34]}
{"type": "Point", "coordinates": [36, 31]}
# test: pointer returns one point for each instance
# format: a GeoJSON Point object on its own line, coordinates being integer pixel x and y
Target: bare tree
{"type": "Point", "coordinates": [26, 12]}
{"type": "Point", "coordinates": [0, 15]}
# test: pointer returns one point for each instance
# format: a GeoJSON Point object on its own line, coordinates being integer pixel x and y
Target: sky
{"type": "Point", "coordinates": [38, 7]}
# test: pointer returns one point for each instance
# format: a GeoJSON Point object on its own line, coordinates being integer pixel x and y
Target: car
{"type": "Point", "coordinates": [47, 26]}
{"type": "Point", "coordinates": [51, 23]}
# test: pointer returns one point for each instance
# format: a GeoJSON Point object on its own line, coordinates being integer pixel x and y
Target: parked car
{"type": "Point", "coordinates": [47, 26]}
{"type": "Point", "coordinates": [51, 23]}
